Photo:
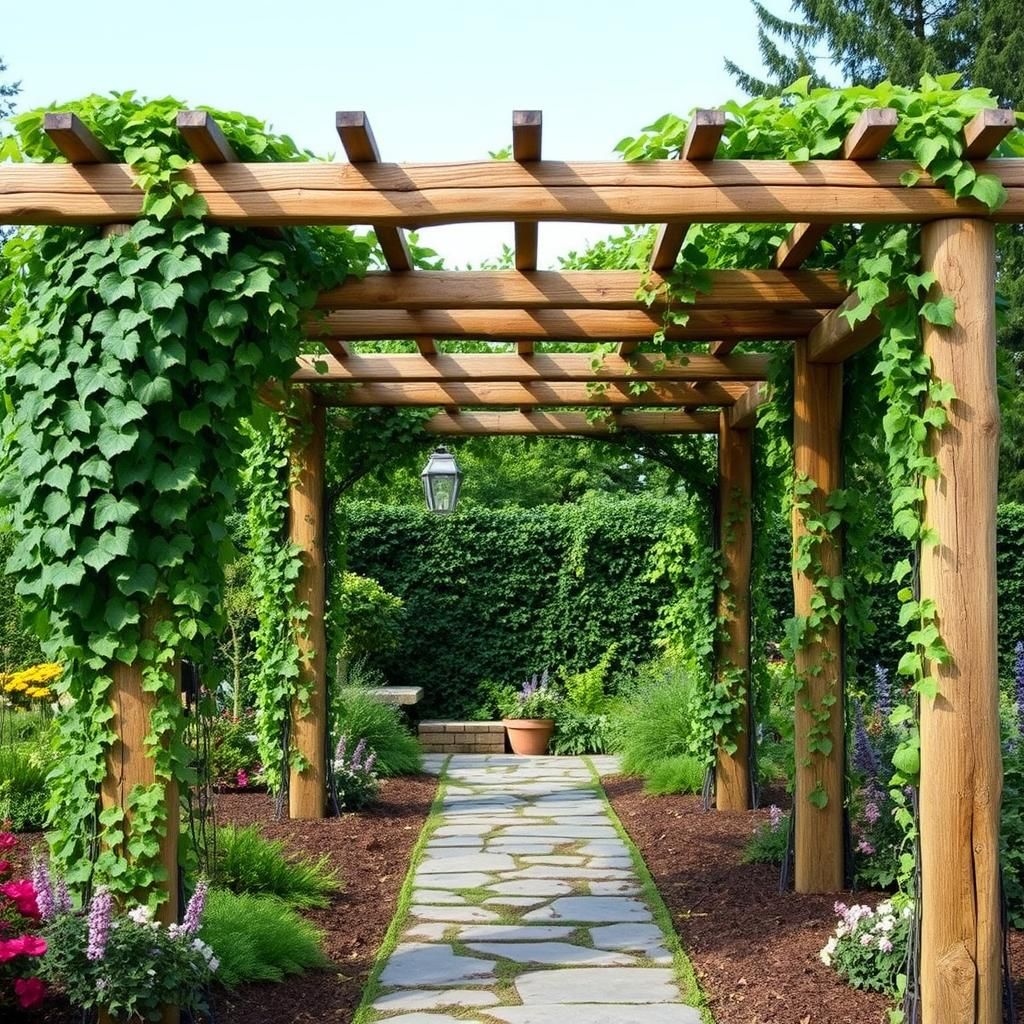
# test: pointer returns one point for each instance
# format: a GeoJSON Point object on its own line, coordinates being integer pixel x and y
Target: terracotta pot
{"type": "Point", "coordinates": [529, 735]}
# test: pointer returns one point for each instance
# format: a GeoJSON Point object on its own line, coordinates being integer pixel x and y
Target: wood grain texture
{"type": "Point", "coordinates": [527, 126]}
{"type": "Point", "coordinates": [76, 143]}
{"type": "Point", "coordinates": [572, 423]}
{"type": "Point", "coordinates": [743, 414]}
{"type": "Point", "coordinates": [702, 138]}
{"type": "Point", "coordinates": [557, 324]}
{"type": "Point", "coordinates": [516, 395]}
{"type": "Point", "coordinates": [984, 132]}
{"type": "Point", "coordinates": [735, 468]}
{"type": "Point", "coordinates": [538, 367]}
{"type": "Point", "coordinates": [307, 789]}
{"type": "Point", "coordinates": [204, 137]}
{"type": "Point", "coordinates": [817, 455]}
{"type": "Point", "coordinates": [275, 194]}
{"type": "Point", "coordinates": [578, 289]}
{"type": "Point", "coordinates": [961, 771]}
{"type": "Point", "coordinates": [834, 340]}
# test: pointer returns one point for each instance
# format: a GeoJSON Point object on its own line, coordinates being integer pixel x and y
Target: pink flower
{"type": "Point", "coordinates": [885, 945]}
{"type": "Point", "coordinates": [242, 778]}
{"type": "Point", "coordinates": [8, 841]}
{"type": "Point", "coordinates": [23, 896]}
{"type": "Point", "coordinates": [30, 992]}
{"type": "Point", "coordinates": [872, 813]}
{"type": "Point", "coordinates": [23, 945]}
{"type": "Point", "coordinates": [5, 867]}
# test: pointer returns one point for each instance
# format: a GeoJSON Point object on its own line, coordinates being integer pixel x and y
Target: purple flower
{"type": "Point", "coordinates": [357, 755]}
{"type": "Point", "coordinates": [371, 760]}
{"type": "Point", "coordinates": [864, 757]}
{"type": "Point", "coordinates": [1018, 671]}
{"type": "Point", "coordinates": [101, 910]}
{"type": "Point", "coordinates": [63, 897]}
{"type": "Point", "coordinates": [195, 908]}
{"type": "Point", "coordinates": [883, 692]}
{"type": "Point", "coordinates": [775, 817]}
{"type": "Point", "coordinates": [339, 752]}
{"type": "Point", "coordinates": [871, 812]}
{"type": "Point", "coordinates": [43, 885]}
{"type": "Point", "coordinates": [866, 848]}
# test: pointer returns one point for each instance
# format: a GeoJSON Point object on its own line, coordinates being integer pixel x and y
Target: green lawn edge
{"type": "Point", "coordinates": [681, 963]}
{"type": "Point", "coordinates": [365, 1013]}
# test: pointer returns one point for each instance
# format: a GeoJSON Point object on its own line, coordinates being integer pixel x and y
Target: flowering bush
{"type": "Point", "coordinates": [20, 944]}
{"type": "Point", "coordinates": [869, 947]}
{"type": "Point", "coordinates": [127, 964]}
{"type": "Point", "coordinates": [234, 757]}
{"type": "Point", "coordinates": [30, 684]}
{"type": "Point", "coordinates": [768, 843]}
{"type": "Point", "coordinates": [355, 777]}
{"type": "Point", "coordinates": [534, 699]}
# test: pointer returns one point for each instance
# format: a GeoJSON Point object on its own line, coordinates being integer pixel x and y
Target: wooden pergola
{"type": "Point", "coordinates": [519, 390]}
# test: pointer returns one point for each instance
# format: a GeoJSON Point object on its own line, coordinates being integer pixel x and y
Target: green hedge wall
{"type": "Point", "coordinates": [499, 594]}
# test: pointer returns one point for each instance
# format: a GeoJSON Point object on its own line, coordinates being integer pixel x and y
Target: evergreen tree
{"type": "Point", "coordinates": [8, 90]}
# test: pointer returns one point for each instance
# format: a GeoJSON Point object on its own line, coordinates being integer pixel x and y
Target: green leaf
{"type": "Point", "coordinates": [113, 287]}
{"type": "Point", "coordinates": [110, 509]}
{"type": "Point", "coordinates": [156, 296]}
{"type": "Point", "coordinates": [942, 312]}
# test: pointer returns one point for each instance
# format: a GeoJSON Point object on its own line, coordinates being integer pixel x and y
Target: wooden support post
{"type": "Point", "coordinates": [735, 454]}
{"type": "Point", "coordinates": [818, 798]}
{"type": "Point", "coordinates": [307, 789]}
{"type": "Point", "coordinates": [961, 773]}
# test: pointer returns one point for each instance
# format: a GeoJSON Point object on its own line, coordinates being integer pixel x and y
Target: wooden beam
{"type": "Point", "coordinates": [743, 414]}
{"type": "Point", "coordinates": [575, 424]}
{"type": "Point", "coordinates": [416, 195]}
{"type": "Point", "coordinates": [353, 127]}
{"type": "Point", "coordinates": [961, 768]}
{"type": "Point", "coordinates": [864, 141]}
{"type": "Point", "coordinates": [526, 145]}
{"type": "Point", "coordinates": [819, 864]}
{"type": "Point", "coordinates": [524, 348]}
{"type": "Point", "coordinates": [540, 367]}
{"type": "Point", "coordinates": [578, 289]}
{"type": "Point", "coordinates": [557, 324]}
{"type": "Point", "coordinates": [723, 347]}
{"type": "Point", "coordinates": [733, 783]}
{"type": "Point", "coordinates": [513, 394]}
{"type": "Point", "coordinates": [204, 137]}
{"type": "Point", "coordinates": [984, 132]}
{"type": "Point", "coordinates": [702, 138]}
{"type": "Point", "coordinates": [307, 789]}
{"type": "Point", "coordinates": [834, 339]}
{"type": "Point", "coordinates": [76, 143]}
{"type": "Point", "coordinates": [426, 345]}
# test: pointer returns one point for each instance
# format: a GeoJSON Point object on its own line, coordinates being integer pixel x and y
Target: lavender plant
{"type": "Point", "coordinates": [536, 698]}
{"type": "Point", "coordinates": [355, 775]}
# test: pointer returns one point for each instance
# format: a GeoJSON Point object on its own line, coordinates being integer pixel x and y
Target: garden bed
{"type": "Point", "coordinates": [371, 851]}
{"type": "Point", "coordinates": [755, 950]}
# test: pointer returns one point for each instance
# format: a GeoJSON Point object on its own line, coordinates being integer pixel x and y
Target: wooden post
{"type": "Point", "coordinates": [735, 453]}
{"type": "Point", "coordinates": [961, 772]}
{"type": "Point", "coordinates": [818, 800]}
{"type": "Point", "coordinates": [307, 789]}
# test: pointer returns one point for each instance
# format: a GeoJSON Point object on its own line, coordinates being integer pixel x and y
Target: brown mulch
{"type": "Point", "coordinates": [755, 950]}
{"type": "Point", "coordinates": [371, 851]}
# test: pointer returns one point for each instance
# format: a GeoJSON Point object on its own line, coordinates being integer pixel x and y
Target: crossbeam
{"type": "Point", "coordinates": [539, 367]}
{"type": "Point", "coordinates": [515, 395]}
{"type": "Point", "coordinates": [414, 195]}
{"type": "Point", "coordinates": [577, 289]}
{"type": "Point", "coordinates": [527, 127]}
{"type": "Point", "coordinates": [834, 339]}
{"type": "Point", "coordinates": [557, 324]}
{"type": "Point", "coordinates": [575, 424]}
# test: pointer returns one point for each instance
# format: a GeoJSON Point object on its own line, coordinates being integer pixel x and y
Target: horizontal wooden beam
{"type": "Point", "coordinates": [413, 195]}
{"type": "Point", "coordinates": [527, 127]}
{"type": "Point", "coordinates": [513, 395]}
{"type": "Point", "coordinates": [743, 414]}
{"type": "Point", "coordinates": [204, 137]}
{"type": "Point", "coordinates": [575, 424]}
{"type": "Point", "coordinates": [76, 143]}
{"type": "Point", "coordinates": [556, 324]}
{"type": "Point", "coordinates": [984, 132]}
{"type": "Point", "coordinates": [577, 289]}
{"type": "Point", "coordinates": [357, 139]}
{"type": "Point", "coordinates": [538, 367]}
{"type": "Point", "coordinates": [834, 340]}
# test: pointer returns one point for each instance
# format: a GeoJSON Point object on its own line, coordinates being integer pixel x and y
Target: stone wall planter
{"type": "Point", "coordinates": [529, 735]}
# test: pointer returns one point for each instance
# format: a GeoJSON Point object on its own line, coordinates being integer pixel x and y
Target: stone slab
{"type": "Point", "coordinates": [456, 915]}
{"type": "Point", "coordinates": [563, 954]}
{"type": "Point", "coordinates": [470, 862]}
{"type": "Point", "coordinates": [611, 909]}
{"type": "Point", "coordinates": [416, 963]}
{"type": "Point", "coordinates": [650, 1013]}
{"type": "Point", "coordinates": [598, 985]}
{"type": "Point", "coordinates": [432, 999]}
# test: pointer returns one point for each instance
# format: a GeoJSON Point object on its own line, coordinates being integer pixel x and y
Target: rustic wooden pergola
{"type": "Point", "coordinates": [524, 391]}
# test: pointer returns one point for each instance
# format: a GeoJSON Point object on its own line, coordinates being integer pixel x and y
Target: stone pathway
{"type": "Point", "coordinates": [526, 908]}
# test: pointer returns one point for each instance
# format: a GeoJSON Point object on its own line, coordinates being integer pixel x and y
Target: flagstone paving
{"type": "Point", "coordinates": [527, 908]}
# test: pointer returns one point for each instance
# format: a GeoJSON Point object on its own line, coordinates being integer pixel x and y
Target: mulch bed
{"type": "Point", "coordinates": [755, 950]}
{"type": "Point", "coordinates": [371, 852]}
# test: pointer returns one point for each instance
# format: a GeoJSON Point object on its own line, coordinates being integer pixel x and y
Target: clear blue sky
{"type": "Point", "coordinates": [438, 78]}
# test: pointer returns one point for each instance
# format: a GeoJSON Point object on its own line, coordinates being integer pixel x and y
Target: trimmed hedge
{"type": "Point", "coordinates": [499, 594]}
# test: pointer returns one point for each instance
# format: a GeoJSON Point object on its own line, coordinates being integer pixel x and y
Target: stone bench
{"type": "Point", "coordinates": [439, 737]}
{"type": "Point", "coordinates": [402, 695]}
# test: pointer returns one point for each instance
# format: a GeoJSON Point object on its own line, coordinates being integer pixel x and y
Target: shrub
{"type": "Point", "coordinates": [577, 732]}
{"type": "Point", "coordinates": [536, 698]}
{"type": "Point", "coordinates": [768, 843]}
{"type": "Point", "coordinates": [234, 756]}
{"type": "Point", "coordinates": [20, 943]}
{"type": "Point", "coordinates": [683, 773]}
{"type": "Point", "coordinates": [358, 715]}
{"type": "Point", "coordinates": [258, 938]}
{"type": "Point", "coordinates": [869, 947]}
{"type": "Point", "coordinates": [247, 862]}
{"type": "Point", "coordinates": [369, 618]}
{"type": "Point", "coordinates": [23, 791]}
{"type": "Point", "coordinates": [355, 777]}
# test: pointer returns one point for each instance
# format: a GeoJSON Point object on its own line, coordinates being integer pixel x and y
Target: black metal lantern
{"type": "Point", "coordinates": [441, 481]}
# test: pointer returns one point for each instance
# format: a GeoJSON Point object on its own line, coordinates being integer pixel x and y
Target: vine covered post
{"type": "Point", "coordinates": [732, 761]}
{"type": "Point", "coordinates": [819, 863]}
{"type": "Point", "coordinates": [961, 772]}
{"type": "Point", "coordinates": [307, 785]}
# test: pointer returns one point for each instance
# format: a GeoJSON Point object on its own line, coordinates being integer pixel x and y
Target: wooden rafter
{"type": "Point", "coordinates": [864, 141]}
{"type": "Point", "coordinates": [526, 142]}
{"type": "Point", "coordinates": [742, 414]}
{"type": "Point", "coordinates": [556, 324]}
{"type": "Point", "coordinates": [984, 132]}
{"type": "Point", "coordinates": [577, 289]}
{"type": "Point", "coordinates": [276, 194]}
{"type": "Point", "coordinates": [834, 339]}
{"type": "Point", "coordinates": [571, 423]}
{"type": "Point", "coordinates": [204, 137]}
{"type": "Point", "coordinates": [76, 143]}
{"type": "Point", "coordinates": [353, 127]}
{"type": "Point", "coordinates": [540, 367]}
{"type": "Point", "coordinates": [514, 395]}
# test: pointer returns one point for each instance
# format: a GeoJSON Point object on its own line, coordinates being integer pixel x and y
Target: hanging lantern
{"type": "Point", "coordinates": [441, 481]}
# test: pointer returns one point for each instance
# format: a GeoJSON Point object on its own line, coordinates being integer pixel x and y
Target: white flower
{"type": "Point", "coordinates": [141, 915]}
{"type": "Point", "coordinates": [865, 939]}
{"type": "Point", "coordinates": [214, 965]}
{"type": "Point", "coordinates": [826, 954]}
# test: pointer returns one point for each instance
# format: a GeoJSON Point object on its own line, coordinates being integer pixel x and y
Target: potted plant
{"type": "Point", "coordinates": [528, 715]}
